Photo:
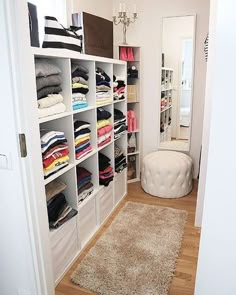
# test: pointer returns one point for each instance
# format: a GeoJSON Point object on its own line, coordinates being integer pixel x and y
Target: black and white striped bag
{"type": "Point", "coordinates": [56, 36]}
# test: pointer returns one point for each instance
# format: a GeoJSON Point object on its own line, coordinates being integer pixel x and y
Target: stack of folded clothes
{"type": "Point", "coordinates": [79, 86]}
{"type": "Point", "coordinates": [55, 151]}
{"type": "Point", "coordinates": [120, 126]}
{"type": "Point", "coordinates": [48, 83]}
{"type": "Point", "coordinates": [59, 211]}
{"type": "Point", "coordinates": [82, 135]}
{"type": "Point", "coordinates": [85, 186]}
{"type": "Point", "coordinates": [104, 127]}
{"type": "Point", "coordinates": [103, 88]}
{"type": "Point", "coordinates": [118, 88]}
{"type": "Point", "coordinates": [120, 160]}
{"type": "Point", "coordinates": [105, 170]}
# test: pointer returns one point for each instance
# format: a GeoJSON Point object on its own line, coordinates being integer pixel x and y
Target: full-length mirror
{"type": "Point", "coordinates": [178, 35]}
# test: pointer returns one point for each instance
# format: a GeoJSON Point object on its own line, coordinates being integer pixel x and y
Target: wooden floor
{"type": "Point", "coordinates": [184, 279]}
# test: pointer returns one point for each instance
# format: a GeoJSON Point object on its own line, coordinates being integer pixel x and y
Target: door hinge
{"type": "Point", "coordinates": [23, 147]}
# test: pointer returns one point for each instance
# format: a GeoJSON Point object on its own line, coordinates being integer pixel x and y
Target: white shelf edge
{"type": "Point", "coordinates": [134, 153]}
{"type": "Point", "coordinates": [83, 110]}
{"type": "Point", "coordinates": [59, 173]}
{"type": "Point", "coordinates": [103, 105]}
{"type": "Point", "coordinates": [115, 139]}
{"type": "Point", "coordinates": [166, 109]}
{"type": "Point", "coordinates": [168, 89]}
{"type": "Point", "coordinates": [167, 69]}
{"type": "Point", "coordinates": [136, 131]}
{"type": "Point", "coordinates": [93, 152]}
{"type": "Point", "coordinates": [104, 146]}
{"type": "Point", "coordinates": [117, 101]}
{"type": "Point", "coordinates": [65, 53]}
{"type": "Point", "coordinates": [129, 102]}
{"type": "Point", "coordinates": [54, 117]}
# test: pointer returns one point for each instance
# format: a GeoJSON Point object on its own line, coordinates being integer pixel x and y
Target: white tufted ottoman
{"type": "Point", "coordinates": [167, 174]}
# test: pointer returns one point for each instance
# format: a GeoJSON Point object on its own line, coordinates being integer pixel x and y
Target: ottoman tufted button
{"type": "Point", "coordinates": [167, 174]}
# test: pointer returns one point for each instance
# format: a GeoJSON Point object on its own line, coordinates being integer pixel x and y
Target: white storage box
{"type": "Point", "coordinates": [87, 219]}
{"type": "Point", "coordinates": [105, 202]}
{"type": "Point", "coordinates": [64, 246]}
{"type": "Point", "coordinates": [120, 187]}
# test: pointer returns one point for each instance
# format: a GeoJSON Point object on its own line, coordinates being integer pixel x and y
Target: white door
{"type": "Point", "coordinates": [23, 268]}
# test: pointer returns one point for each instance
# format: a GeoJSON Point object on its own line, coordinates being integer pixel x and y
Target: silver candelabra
{"type": "Point", "coordinates": [124, 19]}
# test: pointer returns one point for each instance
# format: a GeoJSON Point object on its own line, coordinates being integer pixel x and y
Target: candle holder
{"type": "Point", "coordinates": [125, 20]}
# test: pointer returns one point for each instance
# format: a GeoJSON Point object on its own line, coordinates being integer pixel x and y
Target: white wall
{"type": "Point", "coordinates": [102, 8]}
{"type": "Point", "coordinates": [146, 32]}
{"type": "Point", "coordinates": [217, 256]}
{"type": "Point", "coordinates": [175, 29]}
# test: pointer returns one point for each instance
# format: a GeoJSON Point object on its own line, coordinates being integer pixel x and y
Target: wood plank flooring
{"type": "Point", "coordinates": [184, 278]}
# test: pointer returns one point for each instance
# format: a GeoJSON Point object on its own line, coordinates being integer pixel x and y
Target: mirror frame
{"type": "Point", "coordinates": [194, 15]}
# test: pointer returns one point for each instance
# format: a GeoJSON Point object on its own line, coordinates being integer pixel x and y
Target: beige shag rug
{"type": "Point", "coordinates": [137, 253]}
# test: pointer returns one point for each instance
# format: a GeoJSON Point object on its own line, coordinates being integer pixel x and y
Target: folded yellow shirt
{"type": "Point", "coordinates": [77, 141]}
{"type": "Point", "coordinates": [57, 162]}
{"type": "Point", "coordinates": [79, 85]}
{"type": "Point", "coordinates": [102, 123]}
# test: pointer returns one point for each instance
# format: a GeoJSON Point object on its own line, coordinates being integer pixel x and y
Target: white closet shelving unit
{"type": "Point", "coordinates": [135, 105]}
{"type": "Point", "coordinates": [166, 104]}
{"type": "Point", "coordinates": [68, 240]}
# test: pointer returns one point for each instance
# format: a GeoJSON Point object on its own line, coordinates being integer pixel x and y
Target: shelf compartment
{"type": "Point", "coordinates": [90, 65]}
{"type": "Point", "coordinates": [90, 164]}
{"type": "Point", "coordinates": [87, 220]}
{"type": "Point", "coordinates": [64, 246]}
{"type": "Point", "coordinates": [133, 167]}
{"type": "Point", "coordinates": [90, 117]}
{"type": "Point", "coordinates": [105, 202]}
{"type": "Point", "coordinates": [58, 174]}
{"type": "Point", "coordinates": [120, 187]}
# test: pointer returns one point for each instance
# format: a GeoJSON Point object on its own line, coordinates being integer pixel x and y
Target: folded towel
{"type": "Point", "coordinates": [49, 100]}
{"type": "Point", "coordinates": [55, 109]}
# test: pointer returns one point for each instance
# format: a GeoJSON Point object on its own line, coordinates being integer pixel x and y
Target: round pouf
{"type": "Point", "coordinates": [167, 174]}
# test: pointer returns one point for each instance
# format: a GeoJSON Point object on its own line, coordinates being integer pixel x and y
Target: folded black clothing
{"type": "Point", "coordinates": [103, 166]}
{"type": "Point", "coordinates": [123, 161]}
{"type": "Point", "coordinates": [121, 128]}
{"type": "Point", "coordinates": [103, 158]}
{"type": "Point", "coordinates": [70, 215]}
{"type": "Point", "coordinates": [119, 121]}
{"type": "Point", "coordinates": [102, 114]}
{"type": "Point", "coordinates": [121, 168]}
{"type": "Point", "coordinates": [120, 84]}
{"type": "Point", "coordinates": [79, 123]}
{"type": "Point", "coordinates": [58, 142]}
{"type": "Point", "coordinates": [80, 90]}
{"type": "Point", "coordinates": [118, 114]}
{"type": "Point", "coordinates": [119, 158]}
{"type": "Point", "coordinates": [56, 206]}
{"type": "Point", "coordinates": [48, 90]}
{"type": "Point", "coordinates": [82, 131]}
{"type": "Point", "coordinates": [106, 181]}
{"type": "Point", "coordinates": [104, 83]}
{"type": "Point", "coordinates": [79, 73]}
{"type": "Point", "coordinates": [102, 75]}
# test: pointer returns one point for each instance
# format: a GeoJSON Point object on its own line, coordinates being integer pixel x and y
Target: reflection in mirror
{"type": "Point", "coordinates": [177, 82]}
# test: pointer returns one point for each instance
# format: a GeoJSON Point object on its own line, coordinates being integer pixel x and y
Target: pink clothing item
{"type": "Point", "coordinates": [83, 153]}
{"type": "Point", "coordinates": [105, 177]}
{"type": "Point", "coordinates": [104, 130]}
{"type": "Point", "coordinates": [107, 170]}
{"type": "Point", "coordinates": [121, 90]}
{"type": "Point", "coordinates": [104, 142]}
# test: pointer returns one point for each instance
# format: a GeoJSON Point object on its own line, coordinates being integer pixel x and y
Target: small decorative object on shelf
{"type": "Point", "coordinates": [124, 19]}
